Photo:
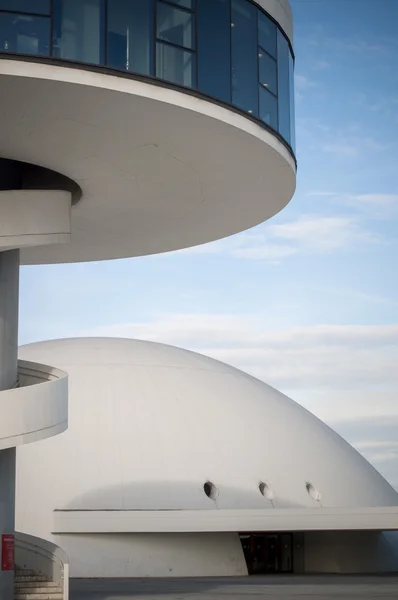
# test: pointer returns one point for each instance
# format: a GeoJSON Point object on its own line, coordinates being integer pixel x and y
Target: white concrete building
{"type": "Point", "coordinates": [130, 128]}
{"type": "Point", "coordinates": [177, 464]}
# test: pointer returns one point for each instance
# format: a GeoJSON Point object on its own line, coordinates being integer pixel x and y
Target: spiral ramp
{"type": "Point", "coordinates": [33, 397]}
{"type": "Point", "coordinates": [37, 408]}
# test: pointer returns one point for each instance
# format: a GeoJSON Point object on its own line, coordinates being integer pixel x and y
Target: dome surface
{"type": "Point", "coordinates": [150, 425]}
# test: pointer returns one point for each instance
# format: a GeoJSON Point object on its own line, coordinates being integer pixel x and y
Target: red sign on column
{"type": "Point", "coordinates": [7, 552]}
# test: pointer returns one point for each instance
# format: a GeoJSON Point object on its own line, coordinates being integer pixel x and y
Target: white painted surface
{"type": "Point", "coordinates": [34, 218]}
{"type": "Point", "coordinates": [162, 555]}
{"type": "Point", "coordinates": [281, 11]}
{"type": "Point", "coordinates": [159, 169]}
{"type": "Point", "coordinates": [37, 409]}
{"type": "Point", "coordinates": [284, 519]}
{"type": "Point", "coordinates": [149, 424]}
{"type": "Point", "coordinates": [350, 552]}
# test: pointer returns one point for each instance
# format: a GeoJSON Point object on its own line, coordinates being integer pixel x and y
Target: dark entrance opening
{"type": "Point", "coordinates": [267, 553]}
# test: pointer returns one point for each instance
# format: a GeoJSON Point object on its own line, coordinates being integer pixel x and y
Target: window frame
{"type": "Point", "coordinates": [158, 41]}
{"type": "Point", "coordinates": [30, 13]}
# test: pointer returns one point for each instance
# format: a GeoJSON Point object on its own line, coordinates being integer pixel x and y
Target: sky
{"type": "Point", "coordinates": [308, 301]}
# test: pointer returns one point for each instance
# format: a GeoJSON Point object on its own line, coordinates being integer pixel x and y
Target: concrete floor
{"type": "Point", "coordinates": [278, 587]}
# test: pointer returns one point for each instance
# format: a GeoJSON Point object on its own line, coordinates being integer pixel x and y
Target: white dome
{"type": "Point", "coordinates": [150, 424]}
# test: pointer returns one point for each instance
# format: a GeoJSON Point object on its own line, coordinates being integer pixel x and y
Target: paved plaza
{"type": "Point", "coordinates": [278, 587]}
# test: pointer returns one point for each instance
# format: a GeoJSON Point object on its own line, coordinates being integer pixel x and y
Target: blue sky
{"type": "Point", "coordinates": [308, 301]}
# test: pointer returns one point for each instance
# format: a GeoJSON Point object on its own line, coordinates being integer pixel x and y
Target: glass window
{"type": "Point", "coordinates": [267, 71]}
{"type": "Point", "coordinates": [283, 87]}
{"type": "Point", "coordinates": [214, 48]}
{"type": "Point", "coordinates": [266, 34]}
{"type": "Point", "coordinates": [130, 35]}
{"type": "Point", "coordinates": [78, 26]}
{"type": "Point", "coordinates": [24, 34]}
{"type": "Point", "coordinates": [185, 3]}
{"type": "Point", "coordinates": [244, 56]}
{"type": "Point", "coordinates": [175, 65]}
{"type": "Point", "coordinates": [39, 7]}
{"type": "Point", "coordinates": [175, 26]}
{"type": "Point", "coordinates": [292, 108]}
{"type": "Point", "coordinates": [268, 108]}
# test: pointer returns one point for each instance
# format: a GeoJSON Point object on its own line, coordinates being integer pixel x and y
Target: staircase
{"type": "Point", "coordinates": [29, 586]}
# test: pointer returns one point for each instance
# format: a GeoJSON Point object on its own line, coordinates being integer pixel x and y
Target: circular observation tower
{"type": "Point", "coordinates": [129, 128]}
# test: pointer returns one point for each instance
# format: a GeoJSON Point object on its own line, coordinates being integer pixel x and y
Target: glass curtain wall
{"type": "Point", "coordinates": [214, 48]}
{"type": "Point", "coordinates": [229, 50]}
{"type": "Point", "coordinates": [244, 72]}
{"type": "Point", "coordinates": [175, 42]}
{"type": "Point", "coordinates": [27, 33]}
{"type": "Point", "coordinates": [129, 34]}
{"type": "Point", "coordinates": [78, 30]}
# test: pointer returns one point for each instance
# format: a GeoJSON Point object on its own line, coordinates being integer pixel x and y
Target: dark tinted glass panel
{"type": "Point", "coordinates": [40, 7]}
{"type": "Point", "coordinates": [175, 26]}
{"type": "Point", "coordinates": [292, 108]}
{"type": "Point", "coordinates": [24, 34]}
{"type": "Point", "coordinates": [268, 108]}
{"type": "Point", "coordinates": [244, 56]}
{"type": "Point", "coordinates": [283, 87]}
{"type": "Point", "coordinates": [78, 27]}
{"type": "Point", "coordinates": [267, 34]}
{"type": "Point", "coordinates": [175, 65]}
{"type": "Point", "coordinates": [186, 3]}
{"type": "Point", "coordinates": [267, 71]}
{"type": "Point", "coordinates": [130, 35]}
{"type": "Point", "coordinates": [214, 48]}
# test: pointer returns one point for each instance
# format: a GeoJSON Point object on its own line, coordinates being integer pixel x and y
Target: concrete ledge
{"type": "Point", "coordinates": [318, 519]}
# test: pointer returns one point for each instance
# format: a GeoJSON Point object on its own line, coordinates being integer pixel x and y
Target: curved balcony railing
{"type": "Point", "coordinates": [230, 51]}
{"type": "Point", "coordinates": [35, 410]}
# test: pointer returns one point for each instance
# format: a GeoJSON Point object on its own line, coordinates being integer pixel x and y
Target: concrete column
{"type": "Point", "coordinates": [9, 296]}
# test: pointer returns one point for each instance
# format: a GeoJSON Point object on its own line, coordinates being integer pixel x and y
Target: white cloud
{"type": "Point", "coordinates": [302, 84]}
{"type": "Point", "coordinates": [350, 146]}
{"type": "Point", "coordinates": [308, 233]}
{"type": "Point", "coordinates": [322, 233]}
{"type": "Point", "coordinates": [376, 205]}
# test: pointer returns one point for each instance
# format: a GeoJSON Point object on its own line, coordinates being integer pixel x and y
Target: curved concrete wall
{"type": "Point", "coordinates": [34, 218]}
{"type": "Point", "coordinates": [36, 410]}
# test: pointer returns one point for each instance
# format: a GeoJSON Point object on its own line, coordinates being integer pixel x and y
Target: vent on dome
{"type": "Point", "coordinates": [266, 490]}
{"type": "Point", "coordinates": [210, 490]}
{"type": "Point", "coordinates": [313, 492]}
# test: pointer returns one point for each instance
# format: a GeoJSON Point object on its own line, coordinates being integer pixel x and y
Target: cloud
{"type": "Point", "coordinates": [377, 205]}
{"type": "Point", "coordinates": [322, 233]}
{"type": "Point", "coordinates": [321, 65]}
{"type": "Point", "coordinates": [307, 234]}
{"type": "Point", "coordinates": [301, 85]}
{"type": "Point", "coordinates": [348, 146]}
